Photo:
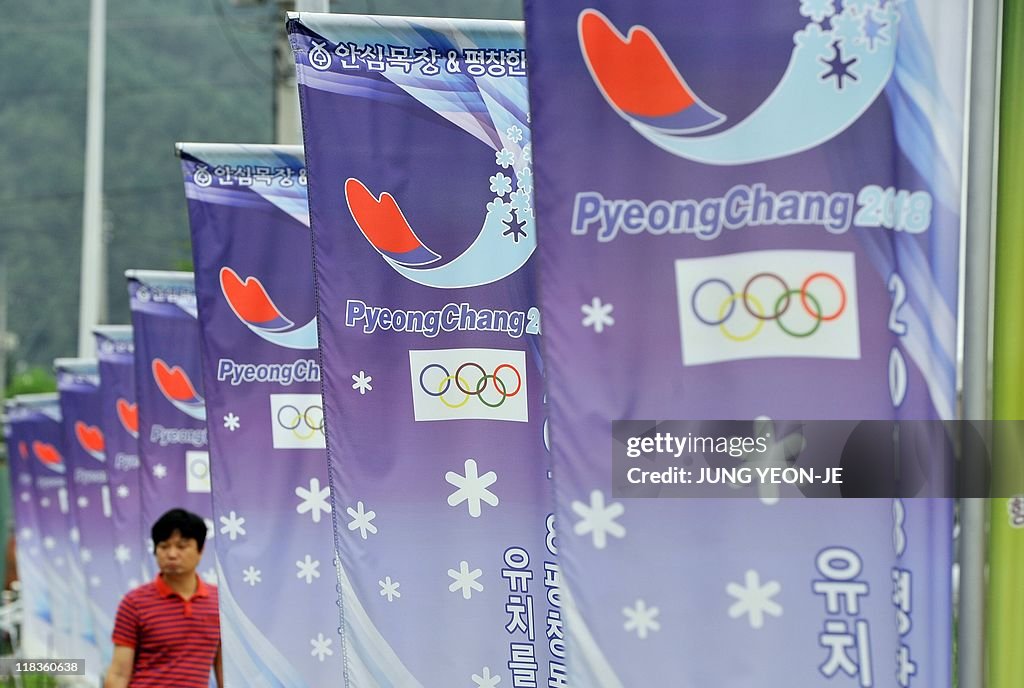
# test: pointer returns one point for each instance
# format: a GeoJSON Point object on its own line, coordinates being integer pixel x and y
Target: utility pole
{"type": "Point", "coordinates": [92, 304]}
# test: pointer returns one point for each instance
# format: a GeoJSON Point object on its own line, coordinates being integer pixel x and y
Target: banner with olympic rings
{"type": "Point", "coordinates": [261, 373]}
{"type": "Point", "coordinates": [37, 612]}
{"type": "Point", "coordinates": [418, 147]}
{"type": "Point", "coordinates": [78, 386]}
{"type": "Point", "coordinates": [119, 422]}
{"type": "Point", "coordinates": [174, 464]}
{"type": "Point", "coordinates": [750, 211]}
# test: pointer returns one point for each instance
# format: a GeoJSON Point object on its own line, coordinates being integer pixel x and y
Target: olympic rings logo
{"type": "Point", "coordinates": [777, 295]}
{"type": "Point", "coordinates": [304, 424]}
{"type": "Point", "coordinates": [471, 380]}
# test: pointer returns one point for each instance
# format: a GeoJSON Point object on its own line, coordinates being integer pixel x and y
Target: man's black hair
{"type": "Point", "coordinates": [189, 526]}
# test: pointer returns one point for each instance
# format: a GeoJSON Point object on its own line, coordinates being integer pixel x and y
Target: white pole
{"type": "Point", "coordinates": [93, 280]}
{"type": "Point", "coordinates": [977, 322]}
{"type": "Point", "coordinates": [288, 119]}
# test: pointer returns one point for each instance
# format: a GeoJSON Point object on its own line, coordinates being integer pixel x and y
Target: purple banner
{"type": "Point", "coordinates": [261, 375]}
{"type": "Point", "coordinates": [86, 461]}
{"type": "Point", "coordinates": [417, 145]}
{"type": "Point", "coordinates": [749, 211]}
{"type": "Point", "coordinates": [119, 420]}
{"type": "Point", "coordinates": [174, 465]}
{"type": "Point", "coordinates": [20, 416]}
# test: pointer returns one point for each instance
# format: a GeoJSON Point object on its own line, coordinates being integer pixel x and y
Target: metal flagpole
{"type": "Point", "coordinates": [93, 278]}
{"type": "Point", "coordinates": [977, 321]}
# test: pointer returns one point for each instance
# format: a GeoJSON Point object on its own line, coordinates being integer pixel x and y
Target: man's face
{"type": "Point", "coordinates": [177, 556]}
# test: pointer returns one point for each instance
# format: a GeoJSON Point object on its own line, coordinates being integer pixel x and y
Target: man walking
{"type": "Point", "coordinates": [167, 632]}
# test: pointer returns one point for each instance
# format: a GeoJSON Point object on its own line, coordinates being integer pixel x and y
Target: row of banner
{"type": "Point", "coordinates": [355, 390]}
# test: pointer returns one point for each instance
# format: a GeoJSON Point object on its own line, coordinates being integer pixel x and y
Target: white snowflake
{"type": "Point", "coordinates": [485, 680]}
{"type": "Point", "coordinates": [641, 618]}
{"type": "Point", "coordinates": [133, 583]}
{"type": "Point", "coordinates": [232, 422]}
{"type": "Point", "coordinates": [252, 576]}
{"type": "Point", "coordinates": [597, 315]}
{"type": "Point", "coordinates": [83, 502]}
{"type": "Point", "coordinates": [123, 491]}
{"type": "Point", "coordinates": [520, 199]}
{"type": "Point", "coordinates": [74, 535]}
{"type": "Point", "coordinates": [505, 158]}
{"type": "Point", "coordinates": [515, 134]}
{"type": "Point", "coordinates": [361, 520]}
{"type": "Point", "coordinates": [753, 599]}
{"type": "Point", "coordinates": [389, 588]}
{"type": "Point", "coordinates": [465, 580]}
{"type": "Point", "coordinates": [95, 581]}
{"type": "Point", "coordinates": [85, 555]}
{"type": "Point", "coordinates": [26, 533]}
{"type": "Point", "coordinates": [232, 525]}
{"type": "Point", "coordinates": [321, 646]}
{"type": "Point", "coordinates": [528, 152]}
{"type": "Point", "coordinates": [211, 528]}
{"type": "Point", "coordinates": [500, 209]}
{"type": "Point", "coordinates": [160, 471]}
{"type": "Point", "coordinates": [501, 184]}
{"type": "Point", "coordinates": [210, 576]}
{"type": "Point", "coordinates": [123, 554]}
{"type": "Point", "coordinates": [362, 382]}
{"type": "Point", "coordinates": [817, 10]}
{"type": "Point", "coordinates": [599, 519]}
{"type": "Point", "coordinates": [308, 568]}
{"type": "Point", "coordinates": [26, 497]}
{"type": "Point", "coordinates": [44, 502]}
{"type": "Point", "coordinates": [314, 499]}
{"type": "Point", "coordinates": [525, 177]}
{"type": "Point", "coordinates": [472, 488]}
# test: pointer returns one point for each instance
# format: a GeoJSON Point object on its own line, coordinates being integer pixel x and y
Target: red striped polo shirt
{"type": "Point", "coordinates": [175, 639]}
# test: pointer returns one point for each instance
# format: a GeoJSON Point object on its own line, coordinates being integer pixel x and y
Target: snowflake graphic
{"type": "Point", "coordinates": [525, 177]}
{"type": "Point", "coordinates": [95, 581]}
{"type": "Point", "coordinates": [817, 10]}
{"type": "Point", "coordinates": [515, 134]}
{"type": "Point", "coordinates": [505, 158]}
{"type": "Point", "coordinates": [528, 152]}
{"type": "Point", "coordinates": [753, 599]}
{"type": "Point", "coordinates": [389, 588]}
{"type": "Point", "coordinates": [160, 471]}
{"type": "Point", "coordinates": [44, 502]}
{"type": "Point", "coordinates": [85, 555]}
{"type": "Point", "coordinates": [123, 554]}
{"type": "Point", "coordinates": [838, 68]}
{"type": "Point", "coordinates": [26, 497]}
{"type": "Point", "coordinates": [232, 422]}
{"type": "Point", "coordinates": [49, 542]}
{"type": "Point", "coordinates": [860, 5]}
{"type": "Point", "coordinates": [74, 535]}
{"type": "Point", "coordinates": [321, 646]}
{"type": "Point", "coordinates": [875, 32]}
{"type": "Point", "coordinates": [133, 583]}
{"type": "Point", "coordinates": [362, 382]}
{"type": "Point", "coordinates": [210, 576]}
{"type": "Point", "coordinates": [314, 500]}
{"type": "Point", "coordinates": [211, 528]}
{"type": "Point", "coordinates": [252, 576]}
{"type": "Point", "coordinates": [26, 533]}
{"type": "Point", "coordinates": [465, 580]}
{"type": "Point", "coordinates": [308, 568]}
{"type": "Point", "coordinates": [361, 520]}
{"type": "Point", "coordinates": [472, 488]}
{"type": "Point", "coordinates": [641, 618]}
{"type": "Point", "coordinates": [520, 200]}
{"type": "Point", "coordinates": [501, 184]}
{"type": "Point", "coordinates": [82, 502]}
{"type": "Point", "coordinates": [847, 27]}
{"type": "Point", "coordinates": [485, 680]}
{"type": "Point", "coordinates": [597, 315]}
{"type": "Point", "coordinates": [500, 209]}
{"type": "Point", "coordinates": [515, 227]}
{"type": "Point", "coordinates": [598, 519]}
{"type": "Point", "coordinates": [123, 491]}
{"type": "Point", "coordinates": [232, 525]}
{"type": "Point", "coordinates": [814, 39]}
